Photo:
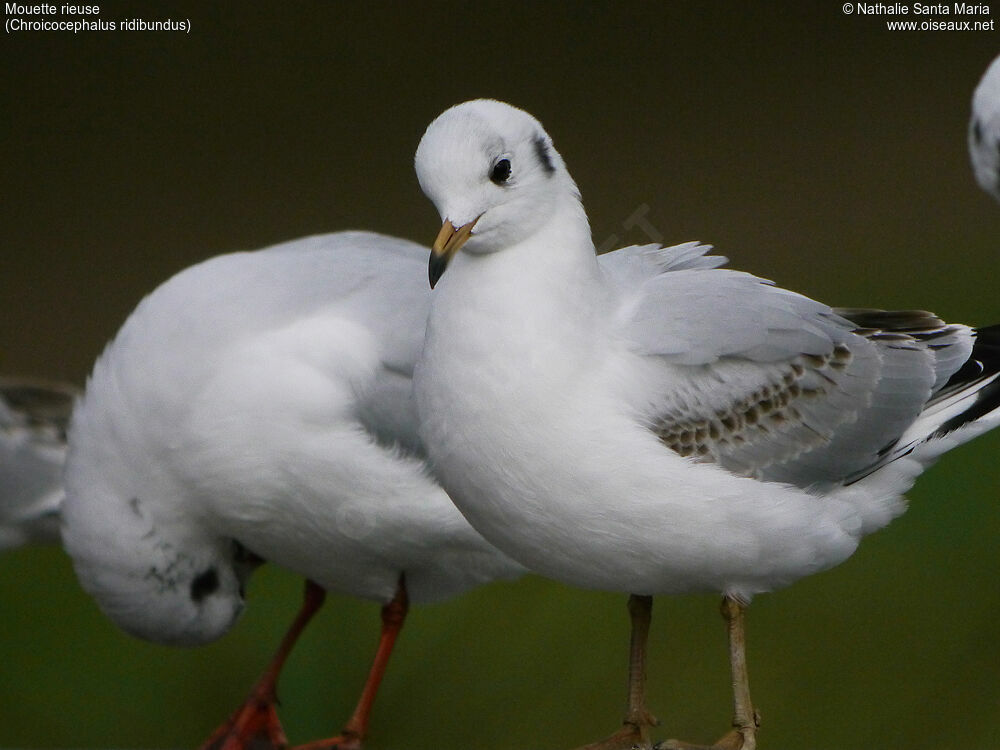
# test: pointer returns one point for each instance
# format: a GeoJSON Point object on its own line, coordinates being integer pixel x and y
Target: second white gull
{"type": "Point", "coordinates": [257, 406]}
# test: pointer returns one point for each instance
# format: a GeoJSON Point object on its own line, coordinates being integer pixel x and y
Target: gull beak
{"type": "Point", "coordinates": [447, 243]}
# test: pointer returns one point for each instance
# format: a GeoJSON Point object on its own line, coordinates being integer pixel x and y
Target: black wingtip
{"type": "Point", "coordinates": [988, 342]}
{"type": "Point", "coordinates": [983, 364]}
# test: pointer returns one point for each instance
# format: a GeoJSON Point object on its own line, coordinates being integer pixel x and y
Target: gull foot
{"type": "Point", "coordinates": [253, 726]}
{"type": "Point", "coordinates": [634, 735]}
{"type": "Point", "coordinates": [347, 740]}
{"type": "Point", "coordinates": [737, 739]}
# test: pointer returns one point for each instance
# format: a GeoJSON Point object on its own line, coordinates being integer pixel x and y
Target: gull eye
{"type": "Point", "coordinates": [501, 172]}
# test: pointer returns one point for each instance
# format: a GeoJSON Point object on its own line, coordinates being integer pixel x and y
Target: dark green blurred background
{"type": "Point", "coordinates": [812, 147]}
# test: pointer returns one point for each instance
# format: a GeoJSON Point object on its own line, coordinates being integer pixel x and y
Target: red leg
{"type": "Point", "coordinates": [255, 724]}
{"type": "Point", "coordinates": [350, 738]}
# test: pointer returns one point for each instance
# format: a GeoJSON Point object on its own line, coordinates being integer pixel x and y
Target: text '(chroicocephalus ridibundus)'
{"type": "Point", "coordinates": [33, 419]}
{"type": "Point", "coordinates": [649, 422]}
{"type": "Point", "coordinates": [984, 131]}
{"type": "Point", "coordinates": [258, 406]}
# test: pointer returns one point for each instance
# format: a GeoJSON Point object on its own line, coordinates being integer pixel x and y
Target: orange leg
{"type": "Point", "coordinates": [354, 732]}
{"type": "Point", "coordinates": [255, 724]}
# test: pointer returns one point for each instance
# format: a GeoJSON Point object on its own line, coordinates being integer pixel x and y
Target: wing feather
{"type": "Point", "coordinates": [769, 383]}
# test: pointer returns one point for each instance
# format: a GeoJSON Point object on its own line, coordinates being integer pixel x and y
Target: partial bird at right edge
{"type": "Point", "coordinates": [984, 131]}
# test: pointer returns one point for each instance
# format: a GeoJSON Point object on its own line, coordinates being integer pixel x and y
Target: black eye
{"type": "Point", "coordinates": [204, 584]}
{"type": "Point", "coordinates": [501, 172]}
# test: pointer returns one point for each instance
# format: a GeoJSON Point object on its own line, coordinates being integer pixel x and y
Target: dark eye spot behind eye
{"type": "Point", "coordinates": [501, 172]}
{"type": "Point", "coordinates": [977, 131]}
{"type": "Point", "coordinates": [204, 584]}
{"type": "Point", "coordinates": [542, 150]}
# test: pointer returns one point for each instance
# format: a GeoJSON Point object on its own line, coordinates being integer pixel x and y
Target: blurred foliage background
{"type": "Point", "coordinates": [812, 147]}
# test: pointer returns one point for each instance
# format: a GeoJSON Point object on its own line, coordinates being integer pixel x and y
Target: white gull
{"type": "Point", "coordinates": [652, 423]}
{"type": "Point", "coordinates": [257, 407]}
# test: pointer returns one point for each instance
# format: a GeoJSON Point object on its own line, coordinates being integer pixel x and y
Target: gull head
{"type": "Point", "coordinates": [493, 175]}
{"type": "Point", "coordinates": [155, 571]}
{"type": "Point", "coordinates": [984, 131]}
{"type": "Point", "coordinates": [165, 590]}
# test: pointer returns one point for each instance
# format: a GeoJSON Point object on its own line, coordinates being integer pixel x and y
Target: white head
{"type": "Point", "coordinates": [491, 171]}
{"type": "Point", "coordinates": [984, 131]}
{"type": "Point", "coordinates": [154, 570]}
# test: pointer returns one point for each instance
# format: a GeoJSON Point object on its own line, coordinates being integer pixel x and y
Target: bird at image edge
{"type": "Point", "coordinates": [649, 422]}
{"type": "Point", "coordinates": [33, 418]}
{"type": "Point", "coordinates": [257, 407]}
{"type": "Point", "coordinates": [984, 131]}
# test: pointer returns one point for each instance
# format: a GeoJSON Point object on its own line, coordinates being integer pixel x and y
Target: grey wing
{"type": "Point", "coordinates": [33, 421]}
{"type": "Point", "coordinates": [771, 384]}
